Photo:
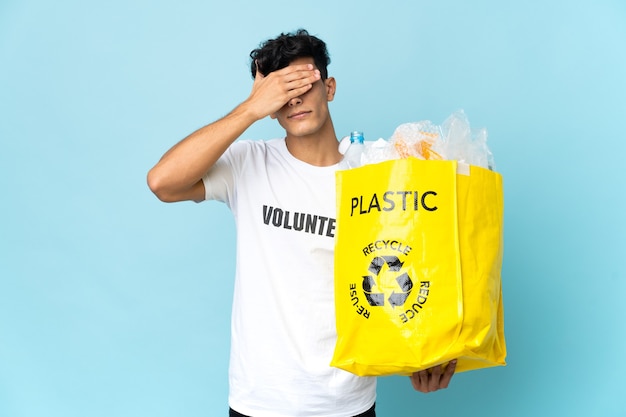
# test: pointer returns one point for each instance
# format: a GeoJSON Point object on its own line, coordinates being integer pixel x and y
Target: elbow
{"type": "Point", "coordinates": [166, 190]}
{"type": "Point", "coordinates": [158, 187]}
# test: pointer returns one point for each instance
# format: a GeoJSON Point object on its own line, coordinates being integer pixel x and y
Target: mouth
{"type": "Point", "coordinates": [298, 115]}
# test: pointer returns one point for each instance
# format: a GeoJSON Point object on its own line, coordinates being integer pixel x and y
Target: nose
{"type": "Point", "coordinates": [294, 101]}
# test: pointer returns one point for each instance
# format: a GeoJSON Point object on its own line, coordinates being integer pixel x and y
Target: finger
{"type": "Point", "coordinates": [447, 374]}
{"type": "Point", "coordinates": [292, 72]}
{"type": "Point", "coordinates": [423, 380]}
{"type": "Point", "coordinates": [257, 75]}
{"type": "Point", "coordinates": [297, 92]}
{"type": "Point", "coordinates": [416, 381]}
{"type": "Point", "coordinates": [295, 68]}
{"type": "Point", "coordinates": [301, 79]}
{"type": "Point", "coordinates": [435, 378]}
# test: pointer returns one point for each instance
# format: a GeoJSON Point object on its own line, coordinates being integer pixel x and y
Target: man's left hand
{"type": "Point", "coordinates": [433, 379]}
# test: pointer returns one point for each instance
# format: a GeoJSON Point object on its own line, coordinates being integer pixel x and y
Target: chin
{"type": "Point", "coordinates": [303, 131]}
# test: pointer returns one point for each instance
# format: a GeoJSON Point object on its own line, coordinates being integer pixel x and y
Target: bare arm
{"type": "Point", "coordinates": [178, 174]}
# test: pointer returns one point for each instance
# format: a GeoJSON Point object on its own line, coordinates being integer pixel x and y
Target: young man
{"type": "Point", "coordinates": [282, 194]}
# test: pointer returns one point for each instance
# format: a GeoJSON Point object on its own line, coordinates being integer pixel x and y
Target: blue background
{"type": "Point", "coordinates": [114, 304]}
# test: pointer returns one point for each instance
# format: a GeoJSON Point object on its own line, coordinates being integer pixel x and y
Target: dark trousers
{"type": "Point", "coordinates": [369, 413]}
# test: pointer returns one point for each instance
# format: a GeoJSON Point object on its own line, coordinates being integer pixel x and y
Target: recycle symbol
{"type": "Point", "coordinates": [369, 282]}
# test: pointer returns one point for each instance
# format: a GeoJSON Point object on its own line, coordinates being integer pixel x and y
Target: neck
{"type": "Point", "coordinates": [319, 149]}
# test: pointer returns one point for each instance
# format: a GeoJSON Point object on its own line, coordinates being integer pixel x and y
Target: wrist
{"type": "Point", "coordinates": [250, 112]}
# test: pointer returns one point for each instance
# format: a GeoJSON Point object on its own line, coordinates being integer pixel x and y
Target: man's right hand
{"type": "Point", "coordinates": [177, 175]}
{"type": "Point", "coordinates": [270, 93]}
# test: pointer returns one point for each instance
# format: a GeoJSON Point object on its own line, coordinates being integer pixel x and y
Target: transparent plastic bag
{"type": "Point", "coordinates": [452, 140]}
{"type": "Point", "coordinates": [459, 142]}
{"type": "Point", "coordinates": [417, 139]}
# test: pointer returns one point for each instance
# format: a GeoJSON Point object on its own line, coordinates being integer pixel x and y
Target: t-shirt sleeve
{"type": "Point", "coordinates": [220, 181]}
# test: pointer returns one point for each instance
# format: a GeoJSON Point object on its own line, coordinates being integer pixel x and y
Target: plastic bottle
{"type": "Point", "coordinates": [354, 152]}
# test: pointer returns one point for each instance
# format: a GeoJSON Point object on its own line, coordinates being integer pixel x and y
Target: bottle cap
{"type": "Point", "coordinates": [357, 136]}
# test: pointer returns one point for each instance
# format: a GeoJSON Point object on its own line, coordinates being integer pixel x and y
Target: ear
{"type": "Point", "coordinates": [331, 87]}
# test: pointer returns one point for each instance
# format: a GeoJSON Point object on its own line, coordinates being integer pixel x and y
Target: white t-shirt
{"type": "Point", "coordinates": [283, 318]}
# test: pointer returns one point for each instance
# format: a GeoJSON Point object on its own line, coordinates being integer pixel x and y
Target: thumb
{"type": "Point", "coordinates": [258, 75]}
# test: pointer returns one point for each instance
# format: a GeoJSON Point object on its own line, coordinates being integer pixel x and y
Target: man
{"type": "Point", "coordinates": [282, 194]}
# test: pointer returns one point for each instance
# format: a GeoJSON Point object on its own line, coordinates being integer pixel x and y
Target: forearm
{"type": "Point", "coordinates": [178, 174]}
{"type": "Point", "coordinates": [182, 167]}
